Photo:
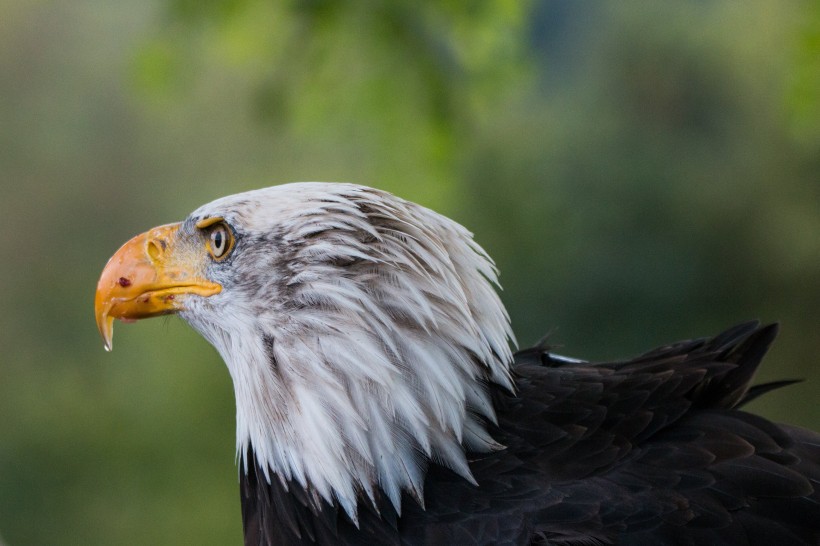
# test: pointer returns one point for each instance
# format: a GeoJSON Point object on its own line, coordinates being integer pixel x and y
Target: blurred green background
{"type": "Point", "coordinates": [641, 172]}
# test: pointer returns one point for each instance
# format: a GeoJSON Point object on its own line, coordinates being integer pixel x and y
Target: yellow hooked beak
{"type": "Point", "coordinates": [149, 276]}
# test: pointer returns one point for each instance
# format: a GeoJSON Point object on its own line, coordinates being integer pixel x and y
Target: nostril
{"type": "Point", "coordinates": [124, 282]}
{"type": "Point", "coordinates": [155, 248]}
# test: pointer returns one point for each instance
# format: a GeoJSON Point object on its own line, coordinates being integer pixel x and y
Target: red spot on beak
{"type": "Point", "coordinates": [124, 282]}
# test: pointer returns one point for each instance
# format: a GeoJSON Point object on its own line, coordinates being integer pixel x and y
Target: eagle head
{"type": "Point", "coordinates": [361, 331]}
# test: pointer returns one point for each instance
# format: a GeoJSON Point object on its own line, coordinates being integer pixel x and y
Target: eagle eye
{"type": "Point", "coordinates": [220, 240]}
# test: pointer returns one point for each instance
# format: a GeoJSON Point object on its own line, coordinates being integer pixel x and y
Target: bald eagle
{"type": "Point", "coordinates": [378, 400]}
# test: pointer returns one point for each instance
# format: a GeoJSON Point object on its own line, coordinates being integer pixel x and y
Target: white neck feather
{"type": "Point", "coordinates": [371, 351]}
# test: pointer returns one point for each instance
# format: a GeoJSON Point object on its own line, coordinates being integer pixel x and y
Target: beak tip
{"type": "Point", "coordinates": [106, 326]}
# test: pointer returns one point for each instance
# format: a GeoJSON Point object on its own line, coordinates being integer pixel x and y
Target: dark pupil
{"type": "Point", "coordinates": [217, 242]}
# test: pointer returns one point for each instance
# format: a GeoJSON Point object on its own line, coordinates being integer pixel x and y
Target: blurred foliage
{"type": "Point", "coordinates": [805, 97]}
{"type": "Point", "coordinates": [402, 80]}
{"type": "Point", "coordinates": [641, 173]}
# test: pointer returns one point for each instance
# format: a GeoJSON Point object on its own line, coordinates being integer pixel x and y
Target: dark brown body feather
{"type": "Point", "coordinates": [648, 451]}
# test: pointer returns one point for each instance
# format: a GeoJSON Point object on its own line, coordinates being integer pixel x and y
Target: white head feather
{"type": "Point", "coordinates": [361, 332]}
